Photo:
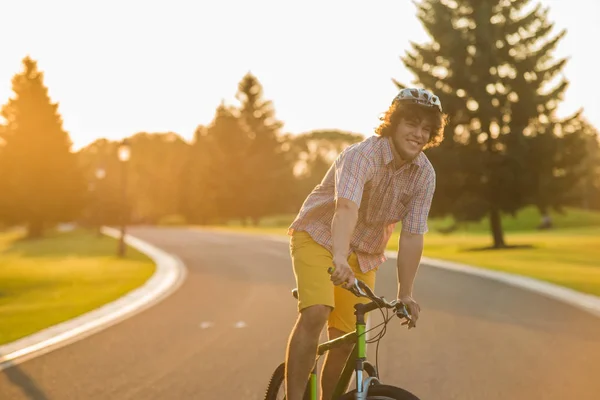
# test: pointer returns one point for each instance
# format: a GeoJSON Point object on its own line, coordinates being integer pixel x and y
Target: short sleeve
{"type": "Point", "coordinates": [418, 209]}
{"type": "Point", "coordinates": [352, 171]}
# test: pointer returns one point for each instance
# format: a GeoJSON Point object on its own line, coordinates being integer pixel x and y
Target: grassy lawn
{"type": "Point", "coordinates": [568, 258]}
{"type": "Point", "coordinates": [48, 281]}
{"type": "Point", "coordinates": [567, 255]}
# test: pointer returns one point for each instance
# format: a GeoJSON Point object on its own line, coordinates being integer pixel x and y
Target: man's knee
{"type": "Point", "coordinates": [313, 318]}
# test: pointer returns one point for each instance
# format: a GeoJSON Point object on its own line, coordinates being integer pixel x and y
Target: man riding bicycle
{"type": "Point", "coordinates": [346, 222]}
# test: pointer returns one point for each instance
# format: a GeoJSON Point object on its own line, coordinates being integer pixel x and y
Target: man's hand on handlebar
{"type": "Point", "coordinates": [342, 273]}
{"type": "Point", "coordinates": [405, 306]}
{"type": "Point", "coordinates": [413, 309]}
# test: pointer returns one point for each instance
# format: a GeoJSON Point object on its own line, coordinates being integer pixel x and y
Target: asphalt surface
{"type": "Point", "coordinates": [224, 331]}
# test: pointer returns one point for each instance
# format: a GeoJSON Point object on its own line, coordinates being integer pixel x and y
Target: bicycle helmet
{"type": "Point", "coordinates": [419, 96]}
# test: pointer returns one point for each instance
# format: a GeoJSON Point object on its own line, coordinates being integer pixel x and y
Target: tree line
{"type": "Point", "coordinates": [240, 166]}
{"type": "Point", "coordinates": [490, 62]}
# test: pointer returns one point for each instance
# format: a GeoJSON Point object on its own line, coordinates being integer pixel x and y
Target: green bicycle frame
{"type": "Point", "coordinates": [355, 361]}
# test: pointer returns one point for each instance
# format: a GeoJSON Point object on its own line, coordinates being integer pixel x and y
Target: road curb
{"type": "Point", "coordinates": [169, 275]}
{"type": "Point", "coordinates": [584, 301]}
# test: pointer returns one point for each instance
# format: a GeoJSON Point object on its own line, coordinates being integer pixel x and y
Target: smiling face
{"type": "Point", "coordinates": [410, 136]}
{"type": "Point", "coordinates": [411, 128]}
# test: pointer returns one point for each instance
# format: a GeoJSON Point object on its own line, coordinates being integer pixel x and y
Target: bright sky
{"type": "Point", "coordinates": [118, 67]}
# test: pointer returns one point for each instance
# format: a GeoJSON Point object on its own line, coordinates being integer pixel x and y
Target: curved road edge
{"type": "Point", "coordinates": [169, 274]}
{"type": "Point", "coordinates": [584, 301]}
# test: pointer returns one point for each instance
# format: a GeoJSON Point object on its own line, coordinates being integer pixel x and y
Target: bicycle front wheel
{"type": "Point", "coordinates": [382, 392]}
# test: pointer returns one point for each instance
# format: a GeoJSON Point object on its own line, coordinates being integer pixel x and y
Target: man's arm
{"type": "Point", "coordinates": [410, 245]}
{"type": "Point", "coordinates": [410, 250]}
{"type": "Point", "coordinates": [342, 227]}
{"type": "Point", "coordinates": [352, 171]}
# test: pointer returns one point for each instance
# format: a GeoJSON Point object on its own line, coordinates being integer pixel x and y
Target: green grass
{"type": "Point", "coordinates": [567, 258]}
{"type": "Point", "coordinates": [567, 255]}
{"type": "Point", "coordinates": [526, 219]}
{"type": "Point", "coordinates": [47, 281]}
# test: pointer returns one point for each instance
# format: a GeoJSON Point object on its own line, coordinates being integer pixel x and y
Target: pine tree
{"type": "Point", "coordinates": [42, 182]}
{"type": "Point", "coordinates": [227, 175]}
{"type": "Point", "coordinates": [491, 64]}
{"type": "Point", "coordinates": [269, 173]}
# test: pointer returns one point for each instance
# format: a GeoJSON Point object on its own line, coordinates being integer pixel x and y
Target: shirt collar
{"type": "Point", "coordinates": [388, 155]}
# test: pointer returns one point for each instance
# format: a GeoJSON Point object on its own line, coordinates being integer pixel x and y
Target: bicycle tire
{"type": "Point", "coordinates": [277, 378]}
{"type": "Point", "coordinates": [370, 369]}
{"type": "Point", "coordinates": [382, 392]}
{"type": "Point", "coordinates": [276, 382]}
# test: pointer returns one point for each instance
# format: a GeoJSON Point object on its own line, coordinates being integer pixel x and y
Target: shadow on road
{"type": "Point", "coordinates": [24, 383]}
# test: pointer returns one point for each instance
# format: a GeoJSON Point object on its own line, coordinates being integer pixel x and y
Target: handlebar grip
{"type": "Point", "coordinates": [402, 312]}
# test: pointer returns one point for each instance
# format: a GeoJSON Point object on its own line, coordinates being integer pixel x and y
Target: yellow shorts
{"type": "Point", "coordinates": [310, 261]}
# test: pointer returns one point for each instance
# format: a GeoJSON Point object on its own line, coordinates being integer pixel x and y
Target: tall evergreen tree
{"type": "Point", "coordinates": [42, 182]}
{"type": "Point", "coordinates": [491, 64]}
{"type": "Point", "coordinates": [226, 169]}
{"type": "Point", "coordinates": [269, 174]}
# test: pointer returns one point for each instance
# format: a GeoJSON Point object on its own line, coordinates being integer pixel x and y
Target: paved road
{"type": "Point", "coordinates": [221, 334]}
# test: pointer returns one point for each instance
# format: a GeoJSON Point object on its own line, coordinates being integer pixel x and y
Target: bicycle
{"type": "Point", "coordinates": [370, 388]}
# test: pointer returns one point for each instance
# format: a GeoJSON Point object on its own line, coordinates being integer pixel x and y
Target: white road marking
{"type": "Point", "coordinates": [240, 324]}
{"type": "Point", "coordinates": [169, 275]}
{"type": "Point", "coordinates": [206, 324]}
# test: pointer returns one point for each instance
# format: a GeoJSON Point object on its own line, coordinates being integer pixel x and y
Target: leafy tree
{"type": "Point", "coordinates": [102, 172]}
{"type": "Point", "coordinates": [155, 170]}
{"type": "Point", "coordinates": [199, 198]}
{"type": "Point", "coordinates": [42, 184]}
{"type": "Point", "coordinates": [154, 178]}
{"type": "Point", "coordinates": [583, 184]}
{"type": "Point", "coordinates": [313, 153]}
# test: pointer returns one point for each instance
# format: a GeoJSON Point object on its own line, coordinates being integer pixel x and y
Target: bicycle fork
{"type": "Point", "coordinates": [360, 355]}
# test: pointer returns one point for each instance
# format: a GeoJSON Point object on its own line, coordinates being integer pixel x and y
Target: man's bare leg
{"type": "Point", "coordinates": [302, 349]}
{"type": "Point", "coordinates": [335, 359]}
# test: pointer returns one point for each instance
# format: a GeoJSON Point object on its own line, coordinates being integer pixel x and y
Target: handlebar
{"type": "Point", "coordinates": [361, 289]}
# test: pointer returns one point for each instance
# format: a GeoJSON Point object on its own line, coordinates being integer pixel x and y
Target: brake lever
{"type": "Point", "coordinates": [402, 313]}
{"type": "Point", "coordinates": [357, 290]}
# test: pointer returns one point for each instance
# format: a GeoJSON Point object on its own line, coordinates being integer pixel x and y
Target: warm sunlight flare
{"type": "Point", "coordinates": [117, 68]}
{"type": "Point", "coordinates": [172, 172]}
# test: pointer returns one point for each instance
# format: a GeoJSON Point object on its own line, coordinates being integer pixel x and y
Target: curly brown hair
{"type": "Point", "coordinates": [404, 110]}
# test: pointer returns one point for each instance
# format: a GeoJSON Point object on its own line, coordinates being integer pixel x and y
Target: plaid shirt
{"type": "Point", "coordinates": [365, 174]}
